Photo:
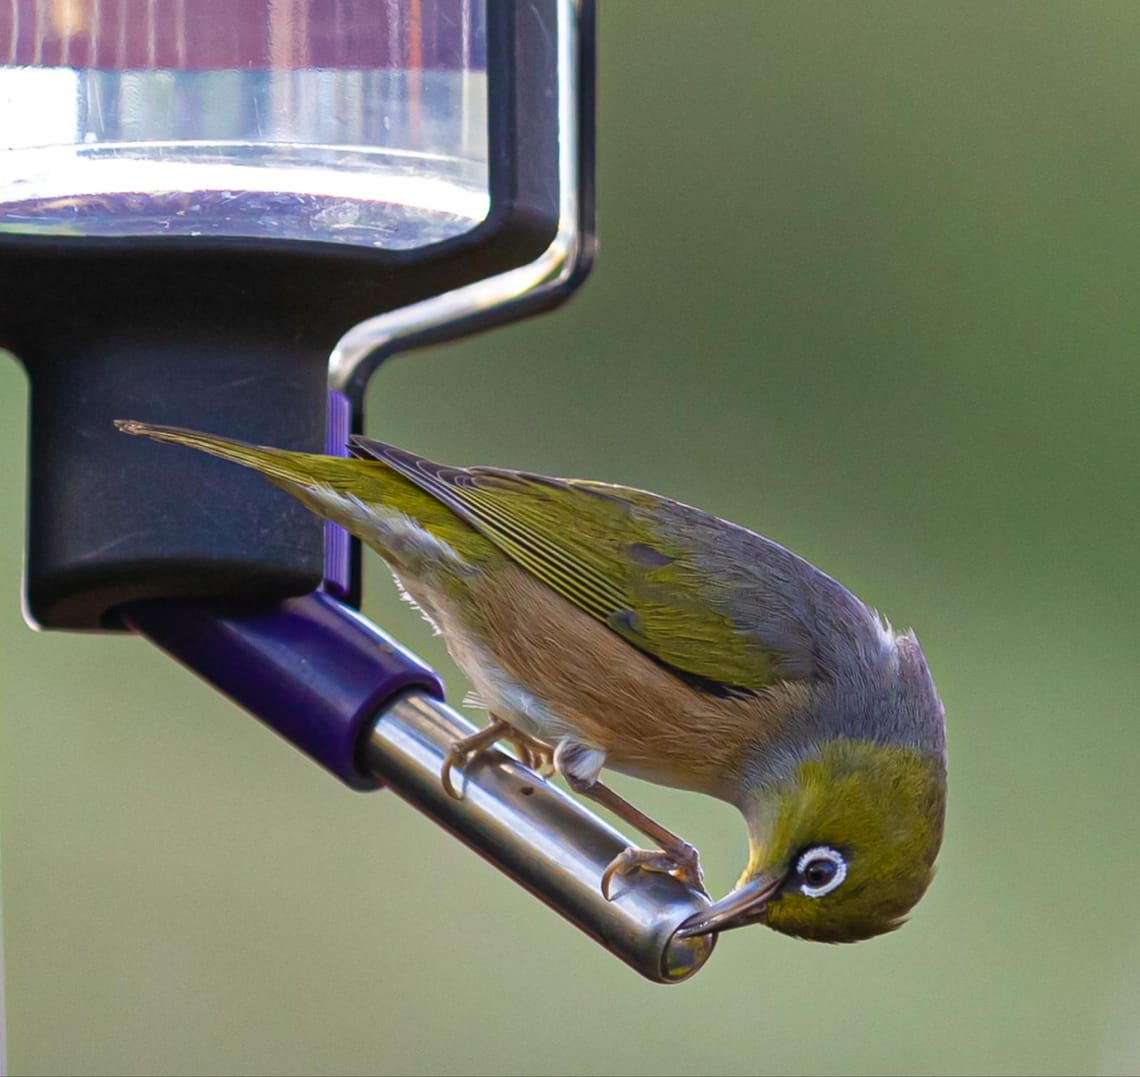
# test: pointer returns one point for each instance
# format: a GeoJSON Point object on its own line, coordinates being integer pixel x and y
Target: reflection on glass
{"type": "Point", "coordinates": [355, 121]}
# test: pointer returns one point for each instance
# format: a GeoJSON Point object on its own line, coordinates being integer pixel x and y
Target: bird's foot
{"type": "Point", "coordinates": [676, 856]}
{"type": "Point", "coordinates": [681, 861]}
{"type": "Point", "coordinates": [532, 752]}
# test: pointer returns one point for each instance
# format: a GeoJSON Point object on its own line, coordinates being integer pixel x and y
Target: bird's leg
{"type": "Point", "coordinates": [579, 765]}
{"type": "Point", "coordinates": [674, 857]}
{"type": "Point", "coordinates": [532, 752]}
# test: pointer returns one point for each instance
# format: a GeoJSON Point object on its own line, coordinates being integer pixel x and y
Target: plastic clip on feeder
{"type": "Point", "coordinates": [401, 176]}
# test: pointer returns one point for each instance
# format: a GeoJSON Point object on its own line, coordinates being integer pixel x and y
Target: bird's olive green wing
{"type": "Point", "coordinates": [611, 552]}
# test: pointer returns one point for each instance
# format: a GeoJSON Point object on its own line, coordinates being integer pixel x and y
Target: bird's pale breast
{"type": "Point", "coordinates": [540, 662]}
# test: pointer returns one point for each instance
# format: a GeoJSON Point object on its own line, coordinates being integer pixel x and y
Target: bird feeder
{"type": "Point", "coordinates": [224, 216]}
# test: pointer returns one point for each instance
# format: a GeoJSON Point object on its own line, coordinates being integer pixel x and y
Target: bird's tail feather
{"type": "Point", "coordinates": [368, 497]}
{"type": "Point", "coordinates": [278, 465]}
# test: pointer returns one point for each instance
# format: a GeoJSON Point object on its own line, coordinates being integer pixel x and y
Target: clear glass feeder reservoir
{"type": "Point", "coordinates": [349, 121]}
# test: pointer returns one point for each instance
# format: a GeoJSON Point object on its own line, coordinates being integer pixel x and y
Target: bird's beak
{"type": "Point", "coordinates": [745, 905]}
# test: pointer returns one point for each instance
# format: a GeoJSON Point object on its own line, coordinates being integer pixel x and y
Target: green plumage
{"type": "Point", "coordinates": [600, 547]}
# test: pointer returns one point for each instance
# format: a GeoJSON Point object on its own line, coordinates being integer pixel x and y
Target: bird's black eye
{"type": "Point", "coordinates": [820, 870]}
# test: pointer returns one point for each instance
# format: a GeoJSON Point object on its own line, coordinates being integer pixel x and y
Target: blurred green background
{"type": "Point", "coordinates": [867, 284]}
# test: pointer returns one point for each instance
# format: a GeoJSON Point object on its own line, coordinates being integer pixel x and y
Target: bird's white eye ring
{"type": "Point", "coordinates": [821, 869]}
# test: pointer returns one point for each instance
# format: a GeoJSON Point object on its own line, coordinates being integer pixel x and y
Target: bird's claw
{"type": "Point", "coordinates": [457, 756]}
{"type": "Point", "coordinates": [532, 752]}
{"type": "Point", "coordinates": [682, 863]}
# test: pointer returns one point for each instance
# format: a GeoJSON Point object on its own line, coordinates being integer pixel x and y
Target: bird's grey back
{"type": "Point", "coordinates": [867, 681]}
{"type": "Point", "coordinates": [817, 626]}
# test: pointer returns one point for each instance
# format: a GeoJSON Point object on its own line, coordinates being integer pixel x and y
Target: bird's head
{"type": "Point", "coordinates": [842, 848]}
{"type": "Point", "coordinates": [844, 835]}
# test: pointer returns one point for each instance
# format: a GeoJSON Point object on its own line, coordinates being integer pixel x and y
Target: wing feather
{"type": "Point", "coordinates": [612, 552]}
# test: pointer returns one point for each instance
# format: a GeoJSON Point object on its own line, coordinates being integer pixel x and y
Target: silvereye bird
{"type": "Point", "coordinates": [608, 626]}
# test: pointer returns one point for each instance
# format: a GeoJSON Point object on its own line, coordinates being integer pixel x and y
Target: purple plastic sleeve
{"type": "Point", "coordinates": [311, 668]}
{"type": "Point", "coordinates": [338, 568]}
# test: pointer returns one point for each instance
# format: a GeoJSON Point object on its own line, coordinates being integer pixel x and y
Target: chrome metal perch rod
{"type": "Point", "coordinates": [539, 836]}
